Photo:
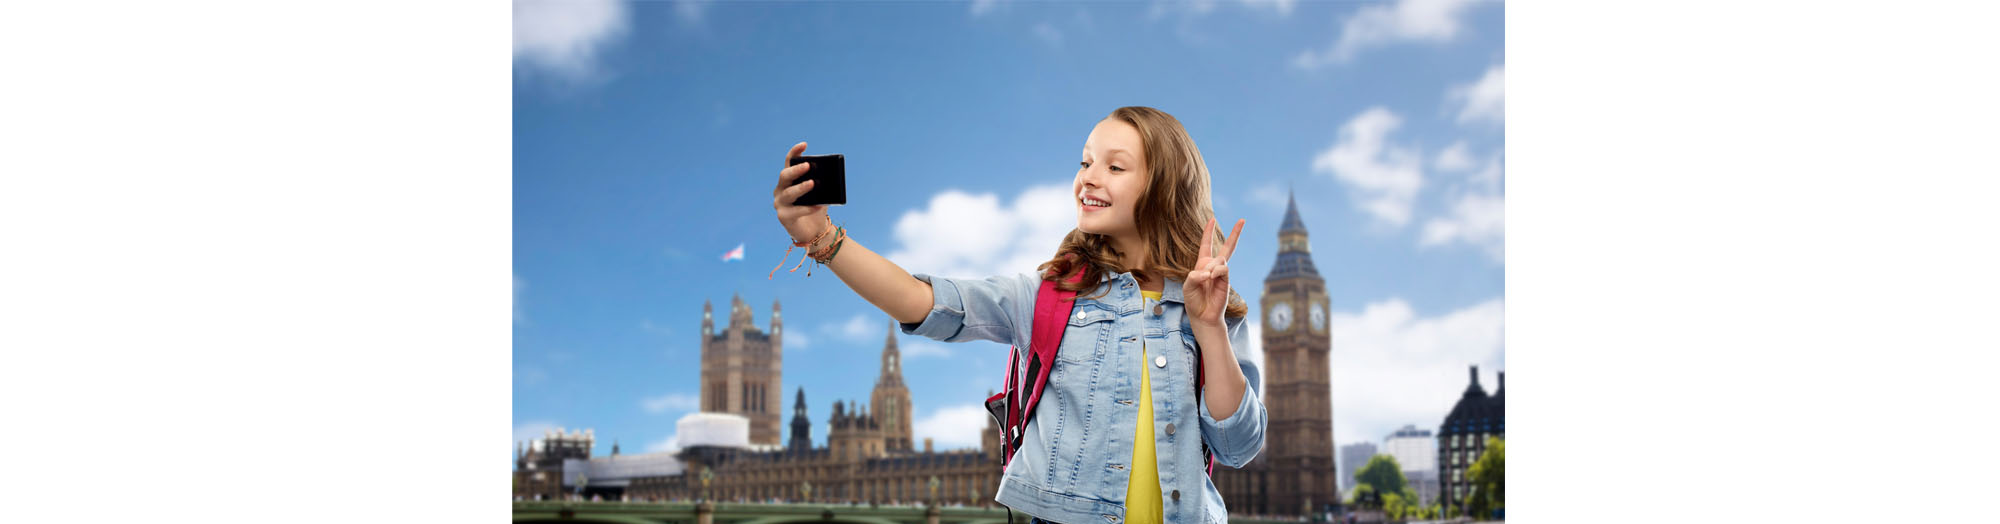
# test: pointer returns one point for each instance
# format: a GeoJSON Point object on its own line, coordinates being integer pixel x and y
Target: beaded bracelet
{"type": "Point", "coordinates": [825, 255]}
{"type": "Point", "coordinates": [796, 244]}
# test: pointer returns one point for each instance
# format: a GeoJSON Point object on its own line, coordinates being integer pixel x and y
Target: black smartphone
{"type": "Point", "coordinates": [829, 173]}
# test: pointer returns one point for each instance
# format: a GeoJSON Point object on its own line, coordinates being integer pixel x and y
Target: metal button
{"type": "Point", "coordinates": [1160, 361]}
{"type": "Point", "coordinates": [1081, 314]}
{"type": "Point", "coordinates": [1159, 310]}
{"type": "Point", "coordinates": [1170, 428]}
{"type": "Point", "coordinates": [1177, 495]}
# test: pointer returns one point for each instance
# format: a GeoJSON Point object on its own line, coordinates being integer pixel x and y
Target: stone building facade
{"type": "Point", "coordinates": [1462, 438]}
{"type": "Point", "coordinates": [742, 369]}
{"type": "Point", "coordinates": [538, 465]}
{"type": "Point", "coordinates": [868, 457]}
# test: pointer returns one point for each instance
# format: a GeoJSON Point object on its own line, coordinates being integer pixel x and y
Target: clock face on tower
{"type": "Point", "coordinates": [1318, 317]}
{"type": "Point", "coordinates": [1281, 316]}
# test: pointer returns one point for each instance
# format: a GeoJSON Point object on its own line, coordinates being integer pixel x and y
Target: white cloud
{"type": "Point", "coordinates": [564, 37]}
{"type": "Point", "coordinates": [670, 402]}
{"type": "Point", "coordinates": [1476, 215]}
{"type": "Point", "coordinates": [1282, 7]}
{"type": "Point", "coordinates": [975, 236]}
{"type": "Point", "coordinates": [1391, 367]}
{"type": "Point", "coordinates": [1267, 194]}
{"type": "Point", "coordinates": [1382, 178]}
{"type": "Point", "coordinates": [1048, 34]}
{"type": "Point", "coordinates": [670, 444]}
{"type": "Point", "coordinates": [922, 349]}
{"type": "Point", "coordinates": [796, 339]}
{"type": "Point", "coordinates": [951, 427]}
{"type": "Point", "coordinates": [981, 7]}
{"type": "Point", "coordinates": [1454, 158]}
{"type": "Point", "coordinates": [1434, 21]}
{"type": "Point", "coordinates": [860, 327]}
{"type": "Point", "coordinates": [689, 10]}
{"type": "Point", "coordinates": [530, 375]}
{"type": "Point", "coordinates": [1484, 99]}
{"type": "Point", "coordinates": [1475, 219]}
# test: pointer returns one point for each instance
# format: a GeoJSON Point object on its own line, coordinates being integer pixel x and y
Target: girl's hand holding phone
{"type": "Point", "coordinates": [802, 223]}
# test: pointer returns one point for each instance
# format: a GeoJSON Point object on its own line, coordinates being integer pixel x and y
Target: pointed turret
{"type": "Point", "coordinates": [801, 426]}
{"type": "Point", "coordinates": [1294, 251]}
{"type": "Point", "coordinates": [891, 398]}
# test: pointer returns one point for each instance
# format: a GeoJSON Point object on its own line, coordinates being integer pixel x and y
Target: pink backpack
{"type": "Point", "coordinates": [1013, 407]}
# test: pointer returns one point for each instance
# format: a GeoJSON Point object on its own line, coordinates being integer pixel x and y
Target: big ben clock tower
{"type": "Point", "coordinates": [1294, 475]}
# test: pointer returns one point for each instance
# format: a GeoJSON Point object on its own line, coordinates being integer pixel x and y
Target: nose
{"type": "Point", "coordinates": [1087, 178]}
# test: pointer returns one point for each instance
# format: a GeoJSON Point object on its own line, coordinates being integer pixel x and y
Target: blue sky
{"type": "Point", "coordinates": [647, 137]}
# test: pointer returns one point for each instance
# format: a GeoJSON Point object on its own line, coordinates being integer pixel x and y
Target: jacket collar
{"type": "Point", "coordinates": [1170, 292]}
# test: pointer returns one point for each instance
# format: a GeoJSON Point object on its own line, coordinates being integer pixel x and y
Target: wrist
{"type": "Point", "coordinates": [1209, 326]}
{"type": "Point", "coordinates": [823, 240]}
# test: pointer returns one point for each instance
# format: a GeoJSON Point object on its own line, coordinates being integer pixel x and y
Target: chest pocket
{"type": "Point", "coordinates": [1089, 329]}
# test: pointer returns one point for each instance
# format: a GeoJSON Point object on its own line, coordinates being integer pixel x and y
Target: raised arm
{"type": "Point", "coordinates": [875, 278]}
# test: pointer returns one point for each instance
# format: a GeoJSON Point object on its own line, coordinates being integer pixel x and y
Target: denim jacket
{"type": "Point", "coordinates": [1075, 460]}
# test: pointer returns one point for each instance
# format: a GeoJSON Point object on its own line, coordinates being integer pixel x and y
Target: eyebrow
{"type": "Point", "coordinates": [1109, 151]}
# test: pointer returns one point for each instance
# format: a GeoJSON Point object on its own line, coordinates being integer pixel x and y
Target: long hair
{"type": "Point", "coordinates": [1171, 213]}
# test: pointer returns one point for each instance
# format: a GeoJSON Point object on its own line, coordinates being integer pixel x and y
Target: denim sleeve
{"type": "Point", "coordinates": [994, 308]}
{"type": "Point", "coordinates": [1237, 439]}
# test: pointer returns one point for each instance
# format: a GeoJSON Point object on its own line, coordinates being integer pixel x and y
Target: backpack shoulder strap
{"type": "Point", "coordinates": [1028, 371]}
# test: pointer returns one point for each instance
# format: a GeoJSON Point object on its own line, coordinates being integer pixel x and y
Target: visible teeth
{"type": "Point", "coordinates": [1095, 202]}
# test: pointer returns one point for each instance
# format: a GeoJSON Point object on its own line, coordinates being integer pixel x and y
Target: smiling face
{"type": "Point", "coordinates": [1109, 179]}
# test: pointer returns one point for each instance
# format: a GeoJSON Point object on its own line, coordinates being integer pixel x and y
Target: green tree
{"type": "Point", "coordinates": [1383, 473]}
{"type": "Point", "coordinates": [1363, 496]}
{"type": "Point", "coordinates": [1392, 504]}
{"type": "Point", "coordinates": [1489, 479]}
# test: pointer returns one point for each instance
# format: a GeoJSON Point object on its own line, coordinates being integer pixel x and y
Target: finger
{"type": "Point", "coordinates": [786, 176]}
{"type": "Point", "coordinates": [789, 174]}
{"type": "Point", "coordinates": [796, 149]}
{"type": "Point", "coordinates": [1230, 249]}
{"type": "Point", "coordinates": [792, 193]}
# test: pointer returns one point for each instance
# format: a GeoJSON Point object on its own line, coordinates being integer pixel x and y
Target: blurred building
{"type": "Point", "coordinates": [538, 464]}
{"type": "Point", "coordinates": [869, 456]}
{"type": "Point", "coordinates": [1416, 453]}
{"type": "Point", "coordinates": [1352, 458]}
{"type": "Point", "coordinates": [1294, 474]}
{"type": "Point", "coordinates": [1463, 437]}
{"type": "Point", "coordinates": [742, 369]}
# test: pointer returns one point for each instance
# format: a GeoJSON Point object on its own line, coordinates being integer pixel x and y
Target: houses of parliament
{"type": "Point", "coordinates": [870, 456]}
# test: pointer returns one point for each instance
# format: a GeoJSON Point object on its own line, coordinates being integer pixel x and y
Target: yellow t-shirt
{"type": "Point", "coordinates": [1142, 494]}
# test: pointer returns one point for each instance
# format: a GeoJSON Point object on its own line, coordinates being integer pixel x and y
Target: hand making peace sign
{"type": "Point", "coordinates": [1207, 287]}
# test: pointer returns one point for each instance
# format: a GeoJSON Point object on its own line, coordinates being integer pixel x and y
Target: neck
{"type": "Point", "coordinates": [1135, 254]}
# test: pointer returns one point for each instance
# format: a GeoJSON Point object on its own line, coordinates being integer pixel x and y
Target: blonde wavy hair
{"type": "Point", "coordinates": [1171, 213]}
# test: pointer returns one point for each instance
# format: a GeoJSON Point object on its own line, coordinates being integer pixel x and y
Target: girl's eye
{"type": "Point", "coordinates": [1086, 165]}
{"type": "Point", "coordinates": [1116, 168]}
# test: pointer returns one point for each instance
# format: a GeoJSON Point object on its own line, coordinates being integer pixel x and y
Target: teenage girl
{"type": "Point", "coordinates": [1110, 441]}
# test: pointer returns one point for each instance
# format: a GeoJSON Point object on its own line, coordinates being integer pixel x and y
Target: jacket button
{"type": "Point", "coordinates": [1177, 495]}
{"type": "Point", "coordinates": [1081, 314]}
{"type": "Point", "coordinates": [1160, 361]}
{"type": "Point", "coordinates": [1159, 310]}
{"type": "Point", "coordinates": [1170, 428]}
